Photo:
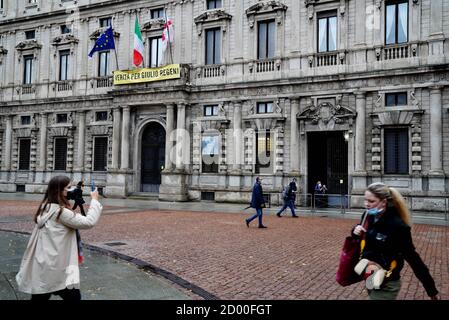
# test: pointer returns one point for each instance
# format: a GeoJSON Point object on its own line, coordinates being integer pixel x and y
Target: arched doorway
{"type": "Point", "coordinates": [153, 157]}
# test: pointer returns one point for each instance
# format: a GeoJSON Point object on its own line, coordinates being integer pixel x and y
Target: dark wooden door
{"type": "Point", "coordinates": [328, 161]}
{"type": "Point", "coordinates": [153, 157]}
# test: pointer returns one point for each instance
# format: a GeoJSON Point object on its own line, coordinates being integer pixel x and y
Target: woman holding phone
{"type": "Point", "coordinates": [50, 263]}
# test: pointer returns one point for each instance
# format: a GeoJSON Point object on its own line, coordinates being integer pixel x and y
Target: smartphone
{"type": "Point", "coordinates": [93, 186]}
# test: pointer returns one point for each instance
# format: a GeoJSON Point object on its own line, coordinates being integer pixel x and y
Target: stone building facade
{"type": "Point", "coordinates": [343, 91]}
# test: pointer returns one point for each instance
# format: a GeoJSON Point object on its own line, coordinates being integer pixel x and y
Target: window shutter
{"type": "Point", "coordinates": [100, 154]}
{"type": "Point", "coordinates": [61, 154]}
{"type": "Point", "coordinates": [396, 151]}
{"type": "Point", "coordinates": [24, 155]}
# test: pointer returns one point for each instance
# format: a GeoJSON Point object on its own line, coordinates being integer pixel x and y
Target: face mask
{"type": "Point", "coordinates": [374, 211]}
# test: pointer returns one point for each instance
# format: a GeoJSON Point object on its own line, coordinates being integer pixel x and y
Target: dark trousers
{"type": "Point", "coordinates": [288, 204]}
{"type": "Point", "coordinates": [66, 294]}
{"type": "Point", "coordinates": [258, 214]}
{"type": "Point", "coordinates": [81, 208]}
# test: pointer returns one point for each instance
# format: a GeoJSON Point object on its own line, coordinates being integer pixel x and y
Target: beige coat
{"type": "Point", "coordinates": [50, 261]}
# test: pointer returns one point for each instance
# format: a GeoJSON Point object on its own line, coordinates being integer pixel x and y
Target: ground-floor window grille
{"type": "Point", "coordinates": [210, 196]}
{"type": "Point", "coordinates": [396, 151]}
{"type": "Point", "coordinates": [210, 145]}
{"type": "Point", "coordinates": [60, 154]}
{"type": "Point", "coordinates": [24, 154]}
{"type": "Point", "coordinates": [263, 151]}
{"type": "Point", "coordinates": [100, 153]}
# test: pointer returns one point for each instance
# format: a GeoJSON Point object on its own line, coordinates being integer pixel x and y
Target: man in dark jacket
{"type": "Point", "coordinates": [289, 200]}
{"type": "Point", "coordinates": [257, 202]}
{"type": "Point", "coordinates": [77, 196]}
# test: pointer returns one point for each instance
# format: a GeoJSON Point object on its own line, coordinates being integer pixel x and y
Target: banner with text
{"type": "Point", "coordinates": [171, 71]}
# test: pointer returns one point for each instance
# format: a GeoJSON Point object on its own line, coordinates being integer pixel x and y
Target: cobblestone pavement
{"type": "Point", "coordinates": [291, 259]}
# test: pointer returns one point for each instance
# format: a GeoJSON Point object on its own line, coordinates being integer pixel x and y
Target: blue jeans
{"type": "Point", "coordinates": [259, 214]}
{"type": "Point", "coordinates": [288, 204]}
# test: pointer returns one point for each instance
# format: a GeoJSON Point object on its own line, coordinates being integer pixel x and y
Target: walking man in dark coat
{"type": "Point", "coordinates": [77, 196]}
{"type": "Point", "coordinates": [289, 201]}
{"type": "Point", "coordinates": [257, 202]}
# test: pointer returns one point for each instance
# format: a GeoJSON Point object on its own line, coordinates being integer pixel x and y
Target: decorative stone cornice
{"type": "Point", "coordinates": [154, 24]}
{"type": "Point", "coordinates": [397, 117]}
{"type": "Point", "coordinates": [212, 15]}
{"type": "Point", "coordinates": [28, 45]}
{"type": "Point", "coordinates": [266, 7]}
{"type": "Point", "coordinates": [310, 2]}
{"type": "Point", "coordinates": [276, 8]}
{"type": "Point", "coordinates": [94, 35]}
{"type": "Point", "coordinates": [64, 39]}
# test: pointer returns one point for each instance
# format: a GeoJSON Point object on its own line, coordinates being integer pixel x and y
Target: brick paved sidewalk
{"type": "Point", "coordinates": [291, 259]}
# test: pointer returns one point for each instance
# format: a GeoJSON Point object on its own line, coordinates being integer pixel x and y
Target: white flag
{"type": "Point", "coordinates": [168, 35]}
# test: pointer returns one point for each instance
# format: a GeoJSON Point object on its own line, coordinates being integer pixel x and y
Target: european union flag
{"type": "Point", "coordinates": [104, 42]}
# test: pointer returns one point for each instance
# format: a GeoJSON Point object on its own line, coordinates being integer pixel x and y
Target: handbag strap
{"type": "Point", "coordinates": [364, 224]}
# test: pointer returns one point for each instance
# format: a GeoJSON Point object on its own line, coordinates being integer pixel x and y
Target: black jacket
{"type": "Point", "coordinates": [77, 195]}
{"type": "Point", "coordinates": [388, 239]}
{"type": "Point", "coordinates": [257, 200]}
{"type": "Point", "coordinates": [291, 194]}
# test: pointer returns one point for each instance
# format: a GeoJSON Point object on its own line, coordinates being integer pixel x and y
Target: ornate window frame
{"type": "Point", "coordinates": [267, 10]}
{"type": "Point", "coordinates": [211, 126]}
{"type": "Point", "coordinates": [314, 8]}
{"type": "Point", "coordinates": [210, 19]}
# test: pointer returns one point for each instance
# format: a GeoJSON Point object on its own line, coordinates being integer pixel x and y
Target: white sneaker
{"type": "Point", "coordinates": [361, 266]}
{"type": "Point", "coordinates": [374, 281]}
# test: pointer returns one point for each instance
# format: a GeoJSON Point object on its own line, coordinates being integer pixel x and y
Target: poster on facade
{"type": "Point", "coordinates": [171, 71]}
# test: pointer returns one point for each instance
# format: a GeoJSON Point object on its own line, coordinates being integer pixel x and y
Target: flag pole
{"type": "Point", "coordinates": [116, 59]}
{"type": "Point", "coordinates": [115, 49]}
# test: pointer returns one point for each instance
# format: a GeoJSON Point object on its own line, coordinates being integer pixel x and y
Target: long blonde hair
{"type": "Point", "coordinates": [394, 198]}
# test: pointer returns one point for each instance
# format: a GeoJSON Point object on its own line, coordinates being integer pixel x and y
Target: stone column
{"type": "Point", "coordinates": [360, 150]}
{"type": "Point", "coordinates": [168, 132]}
{"type": "Point", "coordinates": [43, 145]}
{"type": "Point", "coordinates": [237, 137]}
{"type": "Point", "coordinates": [436, 133]}
{"type": "Point", "coordinates": [125, 138]}
{"type": "Point", "coordinates": [116, 138]}
{"type": "Point", "coordinates": [436, 17]}
{"type": "Point", "coordinates": [360, 22]}
{"type": "Point", "coordinates": [180, 132]}
{"type": "Point", "coordinates": [187, 141]}
{"type": "Point", "coordinates": [8, 143]}
{"type": "Point", "coordinates": [81, 140]}
{"type": "Point", "coordinates": [436, 34]}
{"type": "Point", "coordinates": [294, 139]}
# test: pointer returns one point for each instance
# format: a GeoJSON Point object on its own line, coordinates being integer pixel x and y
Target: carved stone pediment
{"type": "Point", "coordinates": [217, 123]}
{"type": "Point", "coordinates": [28, 45]}
{"type": "Point", "coordinates": [154, 24]}
{"type": "Point", "coordinates": [310, 2]}
{"type": "Point", "coordinates": [98, 130]}
{"type": "Point", "coordinates": [23, 132]}
{"type": "Point", "coordinates": [213, 15]}
{"type": "Point", "coordinates": [64, 39]}
{"type": "Point", "coordinates": [325, 113]}
{"type": "Point", "coordinates": [266, 6]}
{"type": "Point", "coordinates": [94, 35]}
{"type": "Point", "coordinates": [60, 131]}
{"type": "Point", "coordinates": [397, 117]}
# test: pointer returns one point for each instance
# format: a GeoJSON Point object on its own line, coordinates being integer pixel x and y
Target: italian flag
{"type": "Point", "coordinates": [138, 45]}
